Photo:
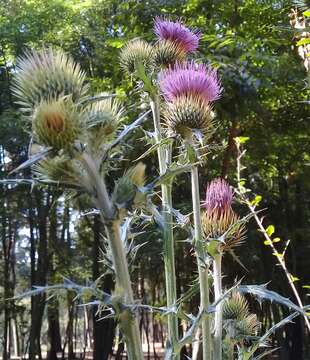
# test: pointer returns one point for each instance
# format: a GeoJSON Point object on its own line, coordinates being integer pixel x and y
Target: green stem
{"type": "Point", "coordinates": [231, 348]}
{"type": "Point", "coordinates": [164, 158]}
{"type": "Point", "coordinates": [128, 321]}
{"type": "Point", "coordinates": [218, 320]}
{"type": "Point", "coordinates": [203, 268]}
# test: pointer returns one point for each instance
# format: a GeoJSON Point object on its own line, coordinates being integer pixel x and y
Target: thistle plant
{"type": "Point", "coordinates": [189, 89]}
{"type": "Point", "coordinates": [174, 41]}
{"type": "Point", "coordinates": [52, 91]}
{"type": "Point", "coordinates": [77, 133]}
{"type": "Point", "coordinates": [223, 230]}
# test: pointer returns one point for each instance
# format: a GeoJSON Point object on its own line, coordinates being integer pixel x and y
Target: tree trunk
{"type": "Point", "coordinates": [53, 305]}
{"type": "Point", "coordinates": [103, 330]}
{"type": "Point", "coordinates": [38, 301]}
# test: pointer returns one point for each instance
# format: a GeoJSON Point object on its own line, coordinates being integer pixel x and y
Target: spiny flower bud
{"type": "Point", "coordinates": [58, 169]}
{"type": "Point", "coordinates": [186, 114]}
{"type": "Point", "coordinates": [47, 74]}
{"type": "Point", "coordinates": [248, 326]}
{"type": "Point", "coordinates": [137, 174]}
{"type": "Point", "coordinates": [57, 123]}
{"type": "Point", "coordinates": [176, 32]}
{"type": "Point", "coordinates": [136, 52]}
{"type": "Point", "coordinates": [167, 52]}
{"type": "Point", "coordinates": [126, 191]}
{"type": "Point", "coordinates": [104, 118]}
{"type": "Point", "coordinates": [236, 307]}
{"type": "Point", "coordinates": [239, 322]}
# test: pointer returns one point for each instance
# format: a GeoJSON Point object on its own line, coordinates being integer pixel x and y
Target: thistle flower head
{"type": "Point", "coordinates": [57, 123]}
{"type": "Point", "coordinates": [190, 79]}
{"type": "Point", "coordinates": [219, 219]}
{"type": "Point", "coordinates": [186, 114]}
{"type": "Point", "coordinates": [219, 195]}
{"type": "Point", "coordinates": [47, 74]}
{"type": "Point", "coordinates": [176, 32]}
{"type": "Point", "coordinates": [167, 53]}
{"type": "Point", "coordinates": [136, 52]}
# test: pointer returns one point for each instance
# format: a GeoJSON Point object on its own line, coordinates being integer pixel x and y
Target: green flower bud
{"type": "Point", "coordinates": [103, 121]}
{"type": "Point", "coordinates": [136, 52]}
{"type": "Point", "coordinates": [59, 169]}
{"type": "Point", "coordinates": [57, 123]}
{"type": "Point", "coordinates": [236, 307]}
{"type": "Point", "coordinates": [239, 323]}
{"type": "Point", "coordinates": [47, 74]}
{"type": "Point", "coordinates": [126, 192]}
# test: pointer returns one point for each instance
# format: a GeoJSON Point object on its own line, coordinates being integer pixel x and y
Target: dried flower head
{"type": "Point", "coordinates": [47, 74]}
{"type": "Point", "coordinates": [186, 114]}
{"type": "Point", "coordinates": [219, 195]}
{"type": "Point", "coordinates": [190, 79]}
{"type": "Point", "coordinates": [176, 32]}
{"type": "Point", "coordinates": [136, 52]}
{"type": "Point", "coordinates": [57, 123]}
{"type": "Point", "coordinates": [167, 53]}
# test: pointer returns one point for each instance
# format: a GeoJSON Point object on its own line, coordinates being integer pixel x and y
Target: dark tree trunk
{"type": "Point", "coordinates": [38, 304]}
{"type": "Point", "coordinates": [103, 330]}
{"type": "Point", "coordinates": [53, 329]}
{"type": "Point", "coordinates": [53, 305]}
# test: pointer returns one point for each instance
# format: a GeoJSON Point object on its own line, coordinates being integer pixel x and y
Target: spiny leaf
{"type": "Point", "coordinates": [32, 160]}
{"type": "Point", "coordinates": [155, 147]}
{"type": "Point", "coordinates": [262, 292]}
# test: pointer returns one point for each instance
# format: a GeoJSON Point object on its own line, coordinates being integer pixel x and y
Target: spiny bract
{"type": "Point", "coordinates": [186, 114]}
{"type": "Point", "coordinates": [167, 53]}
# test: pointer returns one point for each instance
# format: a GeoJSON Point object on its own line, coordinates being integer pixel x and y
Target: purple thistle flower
{"type": "Point", "coordinates": [219, 196]}
{"type": "Point", "coordinates": [190, 79]}
{"type": "Point", "coordinates": [176, 32]}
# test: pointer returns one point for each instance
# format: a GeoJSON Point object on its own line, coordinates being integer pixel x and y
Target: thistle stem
{"type": "Point", "coordinates": [203, 267]}
{"type": "Point", "coordinates": [164, 158]}
{"type": "Point", "coordinates": [128, 322]}
{"type": "Point", "coordinates": [218, 321]}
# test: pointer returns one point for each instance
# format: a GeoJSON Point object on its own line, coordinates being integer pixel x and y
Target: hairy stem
{"type": "Point", "coordinates": [218, 321]}
{"type": "Point", "coordinates": [164, 158]}
{"type": "Point", "coordinates": [128, 321]}
{"type": "Point", "coordinates": [203, 267]}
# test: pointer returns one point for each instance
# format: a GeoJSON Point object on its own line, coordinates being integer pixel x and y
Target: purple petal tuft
{"type": "Point", "coordinates": [190, 79]}
{"type": "Point", "coordinates": [219, 195]}
{"type": "Point", "coordinates": [176, 31]}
